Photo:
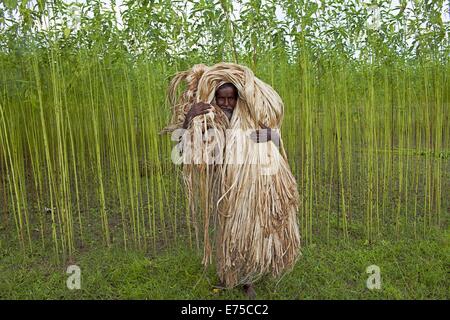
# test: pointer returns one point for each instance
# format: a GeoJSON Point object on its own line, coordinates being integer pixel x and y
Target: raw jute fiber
{"type": "Point", "coordinates": [240, 191]}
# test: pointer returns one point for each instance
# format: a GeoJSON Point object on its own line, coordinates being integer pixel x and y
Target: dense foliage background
{"type": "Point", "coordinates": [82, 99]}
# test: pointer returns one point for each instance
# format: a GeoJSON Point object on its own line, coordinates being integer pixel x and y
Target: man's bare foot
{"type": "Point", "coordinates": [220, 285]}
{"type": "Point", "coordinates": [250, 291]}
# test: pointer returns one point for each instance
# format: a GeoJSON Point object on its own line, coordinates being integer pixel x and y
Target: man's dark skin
{"type": "Point", "coordinates": [226, 99]}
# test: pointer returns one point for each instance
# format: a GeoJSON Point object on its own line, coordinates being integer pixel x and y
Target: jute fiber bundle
{"type": "Point", "coordinates": [242, 191]}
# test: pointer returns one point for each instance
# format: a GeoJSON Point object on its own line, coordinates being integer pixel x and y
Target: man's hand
{"type": "Point", "coordinates": [196, 110]}
{"type": "Point", "coordinates": [264, 135]}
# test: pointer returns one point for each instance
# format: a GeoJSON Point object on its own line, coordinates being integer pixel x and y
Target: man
{"type": "Point", "coordinates": [226, 98]}
{"type": "Point", "coordinates": [253, 203]}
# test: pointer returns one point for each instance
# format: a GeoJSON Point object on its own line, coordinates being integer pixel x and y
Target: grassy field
{"type": "Point", "coordinates": [409, 270]}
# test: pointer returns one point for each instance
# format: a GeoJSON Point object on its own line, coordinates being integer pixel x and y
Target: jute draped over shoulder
{"type": "Point", "coordinates": [242, 194]}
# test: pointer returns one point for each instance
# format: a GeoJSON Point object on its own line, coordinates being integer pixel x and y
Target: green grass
{"type": "Point", "coordinates": [409, 270]}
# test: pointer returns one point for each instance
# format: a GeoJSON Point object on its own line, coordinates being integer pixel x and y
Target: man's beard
{"type": "Point", "coordinates": [228, 113]}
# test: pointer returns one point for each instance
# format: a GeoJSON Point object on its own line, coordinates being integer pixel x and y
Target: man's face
{"type": "Point", "coordinates": [226, 99]}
